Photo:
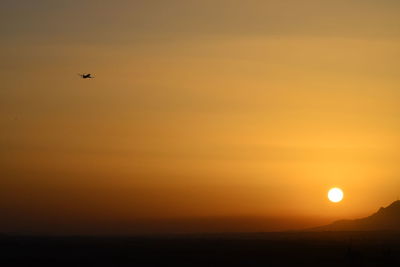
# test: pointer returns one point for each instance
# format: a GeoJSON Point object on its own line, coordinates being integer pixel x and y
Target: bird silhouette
{"type": "Point", "coordinates": [86, 76]}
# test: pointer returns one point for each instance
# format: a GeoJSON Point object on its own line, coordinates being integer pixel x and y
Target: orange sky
{"type": "Point", "coordinates": [199, 109]}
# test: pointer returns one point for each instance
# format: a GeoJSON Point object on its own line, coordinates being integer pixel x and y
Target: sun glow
{"type": "Point", "coordinates": [335, 195]}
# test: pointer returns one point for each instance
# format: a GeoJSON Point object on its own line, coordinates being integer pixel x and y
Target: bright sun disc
{"type": "Point", "coordinates": [335, 194]}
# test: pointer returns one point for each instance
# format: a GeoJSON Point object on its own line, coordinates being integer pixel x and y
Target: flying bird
{"type": "Point", "coordinates": [86, 76]}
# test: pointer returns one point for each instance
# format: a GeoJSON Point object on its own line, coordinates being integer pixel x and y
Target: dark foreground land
{"type": "Point", "coordinates": [263, 249]}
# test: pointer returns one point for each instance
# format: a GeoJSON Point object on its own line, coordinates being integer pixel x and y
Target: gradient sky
{"type": "Point", "coordinates": [199, 109]}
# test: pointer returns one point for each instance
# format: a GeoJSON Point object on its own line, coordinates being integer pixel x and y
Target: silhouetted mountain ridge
{"type": "Point", "coordinates": [385, 219]}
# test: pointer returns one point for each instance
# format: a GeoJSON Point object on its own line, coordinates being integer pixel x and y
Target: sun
{"type": "Point", "coordinates": [335, 194]}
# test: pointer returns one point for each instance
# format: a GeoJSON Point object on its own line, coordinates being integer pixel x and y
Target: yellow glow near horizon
{"type": "Point", "coordinates": [335, 195]}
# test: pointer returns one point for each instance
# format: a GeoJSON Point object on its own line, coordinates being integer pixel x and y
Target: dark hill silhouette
{"type": "Point", "coordinates": [385, 219]}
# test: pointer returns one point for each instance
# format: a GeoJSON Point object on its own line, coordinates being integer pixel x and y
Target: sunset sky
{"type": "Point", "coordinates": [198, 109]}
